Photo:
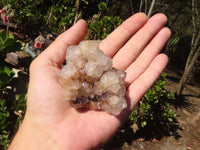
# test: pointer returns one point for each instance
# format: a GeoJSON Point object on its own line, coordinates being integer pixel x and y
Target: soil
{"type": "Point", "coordinates": [184, 134]}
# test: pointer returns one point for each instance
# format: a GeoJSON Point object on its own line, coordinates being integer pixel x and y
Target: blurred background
{"type": "Point", "coordinates": [27, 27]}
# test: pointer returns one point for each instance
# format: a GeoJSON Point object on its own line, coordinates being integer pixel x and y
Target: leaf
{"type": "Point", "coordinates": [10, 36]}
{"type": "Point", "coordinates": [143, 124]}
{"type": "Point", "coordinates": [85, 1]}
{"type": "Point", "coordinates": [102, 6]}
{"type": "Point", "coordinates": [170, 119]}
{"type": "Point", "coordinates": [2, 103]}
{"type": "Point", "coordinates": [65, 1]}
{"type": "Point", "coordinates": [167, 104]}
{"type": "Point", "coordinates": [6, 76]}
{"type": "Point", "coordinates": [1, 40]}
{"type": "Point", "coordinates": [156, 101]}
{"type": "Point", "coordinates": [3, 35]}
{"type": "Point", "coordinates": [9, 72]}
{"type": "Point", "coordinates": [6, 43]}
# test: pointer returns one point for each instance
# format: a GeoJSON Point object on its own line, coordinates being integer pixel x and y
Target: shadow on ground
{"type": "Point", "coordinates": [127, 136]}
{"type": "Point", "coordinates": [162, 128]}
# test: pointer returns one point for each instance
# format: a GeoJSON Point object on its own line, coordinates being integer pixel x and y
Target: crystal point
{"type": "Point", "coordinates": [89, 80]}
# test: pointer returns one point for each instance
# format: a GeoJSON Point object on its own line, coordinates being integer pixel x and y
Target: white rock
{"type": "Point", "coordinates": [89, 81]}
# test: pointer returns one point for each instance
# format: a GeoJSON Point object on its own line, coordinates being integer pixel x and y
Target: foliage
{"type": "Point", "coordinates": [29, 14]}
{"type": "Point", "coordinates": [19, 108]}
{"type": "Point", "coordinates": [7, 42]}
{"type": "Point", "coordinates": [4, 134]}
{"type": "Point", "coordinates": [6, 76]}
{"type": "Point", "coordinates": [100, 27]}
{"type": "Point", "coordinates": [102, 6]}
{"type": "Point", "coordinates": [11, 108]}
{"type": "Point", "coordinates": [172, 43]}
{"type": "Point", "coordinates": [154, 107]}
{"type": "Point", "coordinates": [61, 17]}
{"type": "Point", "coordinates": [11, 116]}
{"type": "Point", "coordinates": [177, 50]}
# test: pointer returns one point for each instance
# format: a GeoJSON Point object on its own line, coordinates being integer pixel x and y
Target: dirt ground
{"type": "Point", "coordinates": [183, 135]}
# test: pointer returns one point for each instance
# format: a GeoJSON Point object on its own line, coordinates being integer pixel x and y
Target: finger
{"type": "Point", "coordinates": [140, 86]}
{"type": "Point", "coordinates": [146, 57]}
{"type": "Point", "coordinates": [55, 53]}
{"type": "Point", "coordinates": [111, 44]}
{"type": "Point", "coordinates": [131, 50]}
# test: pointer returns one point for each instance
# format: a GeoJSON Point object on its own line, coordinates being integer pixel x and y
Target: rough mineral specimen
{"type": "Point", "coordinates": [89, 80]}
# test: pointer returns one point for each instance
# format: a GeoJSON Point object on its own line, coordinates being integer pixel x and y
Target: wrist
{"type": "Point", "coordinates": [30, 136]}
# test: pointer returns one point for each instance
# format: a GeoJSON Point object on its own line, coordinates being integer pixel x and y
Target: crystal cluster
{"type": "Point", "coordinates": [89, 80]}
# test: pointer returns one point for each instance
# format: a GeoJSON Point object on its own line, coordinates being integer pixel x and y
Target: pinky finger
{"type": "Point", "coordinates": [142, 84]}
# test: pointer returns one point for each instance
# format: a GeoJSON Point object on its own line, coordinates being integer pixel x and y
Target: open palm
{"type": "Point", "coordinates": [134, 47]}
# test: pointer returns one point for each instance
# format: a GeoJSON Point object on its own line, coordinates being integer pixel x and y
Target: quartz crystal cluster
{"type": "Point", "coordinates": [89, 80]}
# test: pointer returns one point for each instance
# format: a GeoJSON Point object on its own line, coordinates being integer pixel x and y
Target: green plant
{"type": "Point", "coordinates": [100, 26]}
{"type": "Point", "coordinates": [102, 6]}
{"type": "Point", "coordinates": [6, 76]}
{"type": "Point", "coordinates": [8, 43]}
{"type": "Point", "coordinates": [11, 108]}
{"type": "Point", "coordinates": [29, 15]}
{"type": "Point", "coordinates": [11, 116]}
{"type": "Point", "coordinates": [173, 43]}
{"type": "Point", "coordinates": [7, 40]}
{"type": "Point", "coordinates": [19, 108]}
{"type": "Point", "coordinates": [100, 29]}
{"type": "Point", "coordinates": [61, 17]}
{"type": "Point", "coordinates": [154, 108]}
{"type": "Point", "coordinates": [4, 134]}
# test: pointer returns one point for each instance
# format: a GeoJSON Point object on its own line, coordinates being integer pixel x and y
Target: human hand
{"type": "Point", "coordinates": [51, 123]}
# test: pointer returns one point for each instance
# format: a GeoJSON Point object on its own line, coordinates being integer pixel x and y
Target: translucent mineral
{"type": "Point", "coordinates": [89, 81]}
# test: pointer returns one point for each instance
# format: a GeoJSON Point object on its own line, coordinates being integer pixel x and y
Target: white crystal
{"type": "Point", "coordinates": [89, 80]}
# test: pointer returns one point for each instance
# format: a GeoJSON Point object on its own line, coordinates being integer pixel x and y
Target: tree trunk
{"type": "Point", "coordinates": [132, 12]}
{"type": "Point", "coordinates": [187, 73]}
{"type": "Point", "coordinates": [195, 37]}
{"type": "Point", "coordinates": [151, 8]}
{"type": "Point", "coordinates": [195, 49]}
{"type": "Point", "coordinates": [194, 46]}
{"type": "Point", "coordinates": [146, 6]}
{"type": "Point", "coordinates": [141, 3]}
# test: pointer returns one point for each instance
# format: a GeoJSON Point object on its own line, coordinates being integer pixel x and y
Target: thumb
{"type": "Point", "coordinates": [55, 53]}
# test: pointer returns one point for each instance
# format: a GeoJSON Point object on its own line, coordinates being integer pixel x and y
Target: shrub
{"type": "Point", "coordinates": [154, 108]}
{"type": "Point", "coordinates": [101, 25]}
{"type": "Point", "coordinates": [12, 107]}
{"type": "Point", "coordinates": [60, 17]}
{"type": "Point", "coordinates": [7, 42]}
{"type": "Point", "coordinates": [11, 116]}
{"type": "Point", "coordinates": [99, 29]}
{"type": "Point", "coordinates": [6, 76]}
{"type": "Point", "coordinates": [4, 133]}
